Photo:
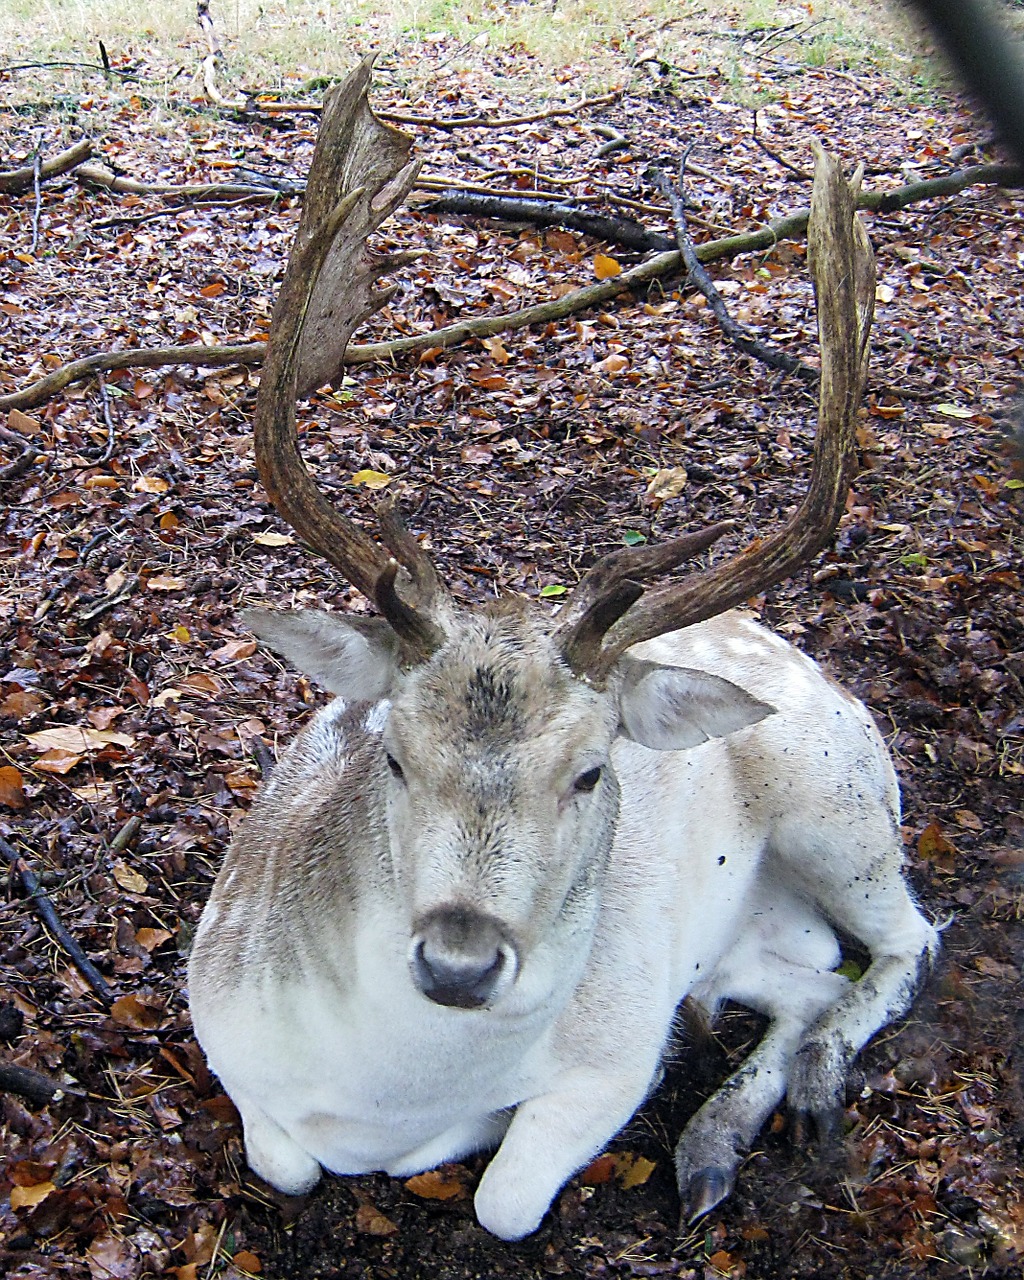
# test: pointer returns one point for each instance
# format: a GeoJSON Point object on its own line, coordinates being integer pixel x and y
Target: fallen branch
{"type": "Point", "coordinates": [502, 122]}
{"type": "Point", "coordinates": [48, 914]}
{"type": "Point", "coordinates": [623, 231]}
{"type": "Point", "coordinates": [251, 353]}
{"type": "Point", "coordinates": [95, 175]}
{"type": "Point", "coordinates": [212, 58]}
{"type": "Point", "coordinates": [14, 181]}
{"type": "Point", "coordinates": [697, 275]}
{"type": "Point", "coordinates": [131, 358]}
{"type": "Point", "coordinates": [33, 1085]}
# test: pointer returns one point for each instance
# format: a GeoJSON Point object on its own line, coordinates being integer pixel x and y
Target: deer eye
{"type": "Point", "coordinates": [395, 767]}
{"type": "Point", "coordinates": [588, 781]}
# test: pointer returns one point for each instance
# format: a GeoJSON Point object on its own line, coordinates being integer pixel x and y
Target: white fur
{"type": "Point", "coordinates": [727, 862]}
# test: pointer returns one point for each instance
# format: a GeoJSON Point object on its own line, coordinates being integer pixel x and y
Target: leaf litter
{"type": "Point", "coordinates": [128, 687]}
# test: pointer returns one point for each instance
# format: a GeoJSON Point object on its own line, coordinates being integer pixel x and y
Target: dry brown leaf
{"type": "Point", "coordinates": [245, 1260]}
{"type": "Point", "coordinates": [234, 651]}
{"type": "Point", "coordinates": [601, 1169]}
{"type": "Point", "coordinates": [150, 939]}
{"type": "Point", "coordinates": [58, 761]}
{"type": "Point", "coordinates": [165, 582]}
{"type": "Point", "coordinates": [151, 484]}
{"type": "Point", "coordinates": [667, 483]}
{"type": "Point", "coordinates": [112, 1257]}
{"type": "Point", "coordinates": [371, 1222]}
{"type": "Point", "coordinates": [73, 738]}
{"type": "Point", "coordinates": [103, 717]}
{"type": "Point", "coordinates": [29, 1197]}
{"type": "Point", "coordinates": [12, 787]}
{"type": "Point", "coordinates": [132, 1011]}
{"type": "Point", "coordinates": [271, 539]}
{"type": "Point", "coordinates": [613, 364]}
{"type": "Point", "coordinates": [450, 1182]}
{"type": "Point", "coordinates": [605, 267]}
{"type": "Point", "coordinates": [22, 703]}
{"type": "Point", "coordinates": [22, 423]}
{"type": "Point", "coordinates": [199, 682]}
{"type": "Point", "coordinates": [129, 879]}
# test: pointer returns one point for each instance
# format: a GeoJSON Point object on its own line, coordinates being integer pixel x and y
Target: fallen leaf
{"type": "Point", "coordinates": [102, 482]}
{"type": "Point", "coordinates": [613, 364]}
{"type": "Point", "coordinates": [600, 1170]}
{"type": "Point", "coordinates": [71, 737]}
{"type": "Point", "coordinates": [58, 761]}
{"type": "Point", "coordinates": [103, 717]}
{"type": "Point", "coordinates": [199, 682]}
{"type": "Point", "coordinates": [370, 1221]}
{"type": "Point", "coordinates": [129, 879]}
{"type": "Point", "coordinates": [150, 484]}
{"type": "Point", "coordinates": [22, 423]}
{"type": "Point", "coordinates": [234, 651]}
{"type": "Point", "coordinates": [933, 846]}
{"type": "Point", "coordinates": [12, 787]}
{"type": "Point", "coordinates": [553, 589]}
{"type": "Point", "coordinates": [21, 704]}
{"type": "Point", "coordinates": [667, 483]}
{"type": "Point", "coordinates": [150, 939]}
{"type": "Point", "coordinates": [132, 1011]}
{"type": "Point", "coordinates": [605, 267]}
{"type": "Point", "coordinates": [28, 1197]}
{"type": "Point", "coordinates": [245, 1260]}
{"type": "Point", "coordinates": [633, 1170]}
{"type": "Point", "coordinates": [165, 582]}
{"type": "Point", "coordinates": [271, 539]}
{"type": "Point", "coordinates": [112, 1257]}
{"type": "Point", "coordinates": [371, 479]}
{"type": "Point", "coordinates": [450, 1182]}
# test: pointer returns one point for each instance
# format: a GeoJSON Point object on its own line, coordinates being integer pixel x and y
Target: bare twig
{"type": "Point", "coordinates": [735, 332]}
{"type": "Point", "coordinates": [500, 122]}
{"type": "Point", "coordinates": [108, 452]}
{"type": "Point", "coordinates": [37, 208]}
{"type": "Point", "coordinates": [47, 913]}
{"type": "Point", "coordinates": [799, 173]}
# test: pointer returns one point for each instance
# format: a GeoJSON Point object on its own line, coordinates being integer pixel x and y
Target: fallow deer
{"type": "Point", "coordinates": [469, 900]}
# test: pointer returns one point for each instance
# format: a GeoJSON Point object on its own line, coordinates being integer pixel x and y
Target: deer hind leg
{"type": "Point", "coordinates": [793, 995]}
{"type": "Point", "coordinates": [863, 893]}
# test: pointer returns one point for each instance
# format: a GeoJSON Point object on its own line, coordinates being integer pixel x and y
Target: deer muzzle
{"type": "Point", "coordinates": [462, 958]}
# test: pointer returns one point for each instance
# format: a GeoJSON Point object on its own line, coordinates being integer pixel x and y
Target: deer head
{"type": "Point", "coordinates": [498, 723]}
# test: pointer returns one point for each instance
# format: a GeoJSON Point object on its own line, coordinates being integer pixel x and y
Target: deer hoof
{"type": "Point", "coordinates": [707, 1188]}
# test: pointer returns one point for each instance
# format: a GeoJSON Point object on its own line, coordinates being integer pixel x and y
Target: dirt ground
{"type": "Point", "coordinates": [129, 544]}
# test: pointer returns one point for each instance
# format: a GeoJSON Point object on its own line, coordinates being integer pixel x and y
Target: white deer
{"type": "Point", "coordinates": [467, 904]}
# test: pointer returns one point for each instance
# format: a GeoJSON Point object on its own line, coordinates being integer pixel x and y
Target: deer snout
{"type": "Point", "coordinates": [460, 957]}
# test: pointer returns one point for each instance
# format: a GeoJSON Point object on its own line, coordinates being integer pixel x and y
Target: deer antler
{"type": "Point", "coordinates": [360, 173]}
{"type": "Point", "coordinates": [609, 612]}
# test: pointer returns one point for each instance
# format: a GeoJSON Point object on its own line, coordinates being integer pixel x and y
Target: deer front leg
{"type": "Point", "coordinates": [272, 1154]}
{"type": "Point", "coordinates": [549, 1139]}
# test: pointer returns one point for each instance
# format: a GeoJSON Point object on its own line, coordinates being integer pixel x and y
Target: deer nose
{"type": "Point", "coordinates": [459, 957]}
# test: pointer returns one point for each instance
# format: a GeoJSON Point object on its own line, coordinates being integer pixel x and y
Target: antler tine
{"type": "Point", "coordinates": [612, 585]}
{"type": "Point", "coordinates": [310, 328]}
{"type": "Point", "coordinates": [842, 267]}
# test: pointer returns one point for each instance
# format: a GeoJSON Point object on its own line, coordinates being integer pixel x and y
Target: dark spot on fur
{"type": "Point", "coordinates": [491, 703]}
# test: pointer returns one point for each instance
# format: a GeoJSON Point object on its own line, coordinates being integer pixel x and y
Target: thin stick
{"type": "Point", "coordinates": [47, 913]}
{"type": "Point", "coordinates": [37, 169]}
{"type": "Point", "coordinates": [733, 331]}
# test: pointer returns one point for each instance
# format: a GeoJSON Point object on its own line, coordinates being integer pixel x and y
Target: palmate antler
{"type": "Point", "coordinates": [359, 175]}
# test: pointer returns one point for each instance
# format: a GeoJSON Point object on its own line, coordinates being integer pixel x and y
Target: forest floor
{"type": "Point", "coordinates": [128, 688]}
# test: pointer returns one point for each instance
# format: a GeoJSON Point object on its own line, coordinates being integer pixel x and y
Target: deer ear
{"type": "Point", "coordinates": [671, 708]}
{"type": "Point", "coordinates": [356, 658]}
